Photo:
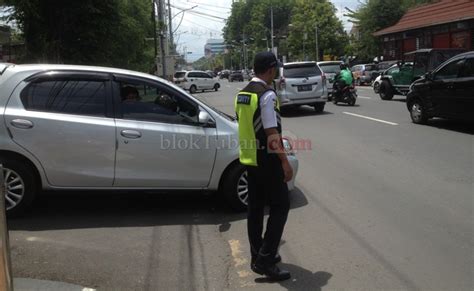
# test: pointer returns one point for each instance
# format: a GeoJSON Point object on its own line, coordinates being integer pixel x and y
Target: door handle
{"type": "Point", "coordinates": [22, 123]}
{"type": "Point", "coordinates": [131, 133]}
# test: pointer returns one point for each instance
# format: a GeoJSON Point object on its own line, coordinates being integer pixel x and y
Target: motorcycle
{"type": "Point", "coordinates": [346, 94]}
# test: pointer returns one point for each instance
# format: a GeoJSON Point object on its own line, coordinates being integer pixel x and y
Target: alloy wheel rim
{"type": "Point", "coordinates": [14, 188]}
{"type": "Point", "coordinates": [416, 111]}
{"type": "Point", "coordinates": [243, 188]}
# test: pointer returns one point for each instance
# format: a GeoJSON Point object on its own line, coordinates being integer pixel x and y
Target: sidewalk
{"type": "Point", "coordinates": [27, 284]}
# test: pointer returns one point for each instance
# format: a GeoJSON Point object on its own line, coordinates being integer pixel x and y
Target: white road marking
{"type": "Point", "coordinates": [363, 97]}
{"type": "Point", "coordinates": [238, 88]}
{"type": "Point", "coordinates": [228, 86]}
{"type": "Point", "coordinates": [370, 118]}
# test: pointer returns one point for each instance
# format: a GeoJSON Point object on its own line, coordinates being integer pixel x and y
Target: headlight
{"type": "Point", "coordinates": [288, 148]}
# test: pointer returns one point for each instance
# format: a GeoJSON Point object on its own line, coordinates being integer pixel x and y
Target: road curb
{"type": "Point", "coordinates": [28, 284]}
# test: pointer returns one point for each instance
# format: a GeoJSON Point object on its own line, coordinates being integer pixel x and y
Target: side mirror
{"type": "Point", "coordinates": [206, 119]}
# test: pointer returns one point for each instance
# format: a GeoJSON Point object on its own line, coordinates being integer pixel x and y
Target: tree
{"type": "Point", "coordinates": [107, 32]}
{"type": "Point", "coordinates": [374, 15]}
{"type": "Point", "coordinates": [306, 15]}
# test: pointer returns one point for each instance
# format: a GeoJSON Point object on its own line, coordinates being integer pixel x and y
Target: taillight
{"type": "Point", "coordinates": [282, 83]}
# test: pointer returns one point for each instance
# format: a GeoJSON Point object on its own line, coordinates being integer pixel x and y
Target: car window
{"type": "Point", "coordinates": [204, 75]}
{"type": "Point", "coordinates": [393, 70]}
{"type": "Point", "coordinates": [468, 69]}
{"type": "Point", "coordinates": [179, 74]}
{"type": "Point", "coordinates": [156, 103]}
{"type": "Point", "coordinates": [193, 75]}
{"type": "Point", "coordinates": [330, 68]}
{"type": "Point", "coordinates": [370, 68]}
{"type": "Point", "coordinates": [66, 96]}
{"type": "Point", "coordinates": [449, 71]}
{"type": "Point", "coordinates": [301, 70]}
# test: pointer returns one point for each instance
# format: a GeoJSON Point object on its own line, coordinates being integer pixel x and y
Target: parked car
{"type": "Point", "coordinates": [236, 76]}
{"type": "Point", "coordinates": [424, 60]}
{"type": "Point", "coordinates": [358, 71]}
{"type": "Point", "coordinates": [80, 127]}
{"type": "Point", "coordinates": [370, 73]}
{"type": "Point", "coordinates": [330, 69]}
{"type": "Point", "coordinates": [247, 75]}
{"type": "Point", "coordinates": [446, 92]}
{"type": "Point", "coordinates": [211, 73]}
{"type": "Point", "coordinates": [224, 74]}
{"type": "Point", "coordinates": [197, 80]}
{"type": "Point", "coordinates": [302, 83]}
{"type": "Point", "coordinates": [394, 69]}
{"type": "Point", "coordinates": [178, 76]}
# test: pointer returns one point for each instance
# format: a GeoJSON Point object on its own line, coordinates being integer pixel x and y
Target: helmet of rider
{"type": "Point", "coordinates": [343, 66]}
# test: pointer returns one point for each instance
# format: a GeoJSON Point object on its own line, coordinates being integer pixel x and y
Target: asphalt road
{"type": "Point", "coordinates": [380, 204]}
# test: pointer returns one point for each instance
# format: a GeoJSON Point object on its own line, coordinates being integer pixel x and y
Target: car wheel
{"type": "Point", "coordinates": [216, 87]}
{"type": "Point", "coordinates": [20, 186]}
{"type": "Point", "coordinates": [418, 112]}
{"type": "Point", "coordinates": [319, 107]}
{"type": "Point", "coordinates": [376, 87]}
{"type": "Point", "coordinates": [235, 187]}
{"type": "Point", "coordinates": [192, 89]}
{"type": "Point", "coordinates": [385, 90]}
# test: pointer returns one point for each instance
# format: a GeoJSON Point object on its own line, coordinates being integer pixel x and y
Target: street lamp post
{"type": "Point", "coordinates": [317, 44]}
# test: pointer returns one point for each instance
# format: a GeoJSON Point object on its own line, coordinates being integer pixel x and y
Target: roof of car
{"type": "Point", "coordinates": [52, 67]}
{"type": "Point", "coordinates": [330, 62]}
{"type": "Point", "coordinates": [298, 63]}
{"type": "Point", "coordinates": [427, 50]}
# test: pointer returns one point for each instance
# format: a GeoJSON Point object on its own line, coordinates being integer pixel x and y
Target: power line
{"type": "Point", "coordinates": [210, 5]}
{"type": "Point", "coordinates": [199, 13]}
{"type": "Point", "coordinates": [207, 9]}
{"type": "Point", "coordinates": [208, 28]}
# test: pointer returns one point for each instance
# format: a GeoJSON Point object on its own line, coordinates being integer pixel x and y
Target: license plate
{"type": "Point", "coordinates": [305, 88]}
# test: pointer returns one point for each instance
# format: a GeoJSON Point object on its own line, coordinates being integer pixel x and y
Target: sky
{"type": "Point", "coordinates": [206, 20]}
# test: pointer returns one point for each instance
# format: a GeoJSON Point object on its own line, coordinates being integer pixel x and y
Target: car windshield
{"type": "Point", "coordinates": [301, 71]}
{"type": "Point", "coordinates": [330, 68]}
{"type": "Point", "coordinates": [179, 74]}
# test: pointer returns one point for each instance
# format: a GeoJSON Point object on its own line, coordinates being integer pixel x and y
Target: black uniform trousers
{"type": "Point", "coordinates": [265, 184]}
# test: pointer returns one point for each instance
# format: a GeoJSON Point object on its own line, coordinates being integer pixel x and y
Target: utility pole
{"type": "Point", "coordinates": [170, 23]}
{"type": "Point", "coordinates": [317, 44]}
{"type": "Point", "coordinates": [154, 30]}
{"type": "Point", "coordinates": [271, 21]}
{"type": "Point", "coordinates": [161, 16]}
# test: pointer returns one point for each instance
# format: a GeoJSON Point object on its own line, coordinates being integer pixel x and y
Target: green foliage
{"type": "Point", "coordinates": [107, 32]}
{"type": "Point", "coordinates": [307, 14]}
{"type": "Point", "coordinates": [374, 15]}
{"type": "Point", "coordinates": [251, 20]}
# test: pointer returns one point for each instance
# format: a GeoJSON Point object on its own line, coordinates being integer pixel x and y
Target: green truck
{"type": "Point", "coordinates": [414, 65]}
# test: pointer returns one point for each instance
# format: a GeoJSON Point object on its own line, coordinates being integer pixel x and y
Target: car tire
{"type": "Point", "coordinates": [319, 107]}
{"type": "Point", "coordinates": [235, 187]}
{"type": "Point", "coordinates": [385, 90]}
{"type": "Point", "coordinates": [192, 89]}
{"type": "Point", "coordinates": [418, 112]}
{"type": "Point", "coordinates": [216, 87]}
{"type": "Point", "coordinates": [376, 87]}
{"type": "Point", "coordinates": [21, 186]}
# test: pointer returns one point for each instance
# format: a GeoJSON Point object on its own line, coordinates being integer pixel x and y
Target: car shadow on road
{"type": "Point", "coordinates": [301, 279]}
{"type": "Point", "coordinates": [79, 210]}
{"type": "Point", "coordinates": [453, 125]}
{"type": "Point", "coordinates": [302, 111]}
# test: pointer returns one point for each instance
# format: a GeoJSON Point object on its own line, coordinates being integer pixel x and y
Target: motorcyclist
{"type": "Point", "coordinates": [343, 79]}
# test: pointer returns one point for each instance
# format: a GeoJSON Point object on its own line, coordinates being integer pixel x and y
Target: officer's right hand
{"type": "Point", "coordinates": [288, 171]}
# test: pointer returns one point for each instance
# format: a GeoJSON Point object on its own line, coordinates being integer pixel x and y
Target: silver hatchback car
{"type": "Point", "coordinates": [79, 127]}
{"type": "Point", "coordinates": [302, 83]}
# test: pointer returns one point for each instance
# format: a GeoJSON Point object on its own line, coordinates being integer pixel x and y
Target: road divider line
{"type": "Point", "coordinates": [371, 118]}
{"type": "Point", "coordinates": [363, 97]}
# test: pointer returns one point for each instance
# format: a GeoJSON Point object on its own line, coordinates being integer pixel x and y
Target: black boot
{"type": "Point", "coordinates": [264, 265]}
{"type": "Point", "coordinates": [276, 259]}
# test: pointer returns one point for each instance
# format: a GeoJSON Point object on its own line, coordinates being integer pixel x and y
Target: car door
{"type": "Point", "coordinates": [443, 88]}
{"type": "Point", "coordinates": [160, 143]}
{"type": "Point", "coordinates": [207, 80]}
{"type": "Point", "coordinates": [65, 120]}
{"type": "Point", "coordinates": [464, 87]}
{"type": "Point", "coordinates": [193, 79]}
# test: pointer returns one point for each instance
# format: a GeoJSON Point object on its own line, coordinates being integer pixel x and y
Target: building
{"type": "Point", "coordinates": [443, 24]}
{"type": "Point", "coordinates": [214, 46]}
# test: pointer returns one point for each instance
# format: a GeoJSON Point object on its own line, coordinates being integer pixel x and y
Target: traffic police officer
{"type": "Point", "coordinates": [262, 151]}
